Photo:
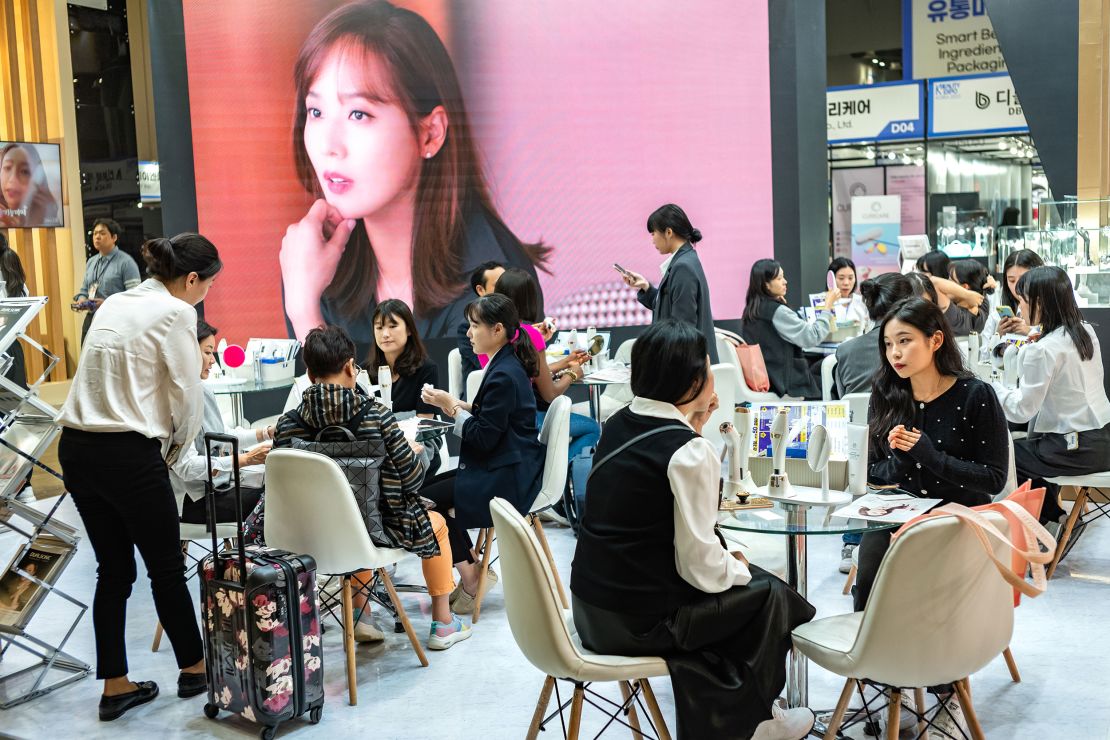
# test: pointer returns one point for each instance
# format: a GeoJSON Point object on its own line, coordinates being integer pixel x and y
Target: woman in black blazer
{"type": "Point", "coordinates": [500, 454]}
{"type": "Point", "coordinates": [683, 293]}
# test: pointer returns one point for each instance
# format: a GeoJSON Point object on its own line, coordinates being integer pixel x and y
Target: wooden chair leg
{"type": "Point", "coordinates": [1073, 517]}
{"type": "Point", "coordinates": [1012, 665]}
{"type": "Point", "coordinates": [487, 553]}
{"type": "Point", "coordinates": [653, 709]}
{"type": "Point", "coordinates": [404, 617]}
{"type": "Point", "coordinates": [841, 709]}
{"type": "Point", "coordinates": [541, 707]}
{"type": "Point", "coordinates": [963, 688]}
{"type": "Point", "coordinates": [919, 701]}
{"type": "Point", "coordinates": [349, 641]}
{"type": "Point", "coordinates": [538, 527]}
{"type": "Point", "coordinates": [626, 695]}
{"type": "Point", "coordinates": [575, 713]}
{"type": "Point", "coordinates": [850, 580]}
{"type": "Point", "coordinates": [158, 627]}
{"type": "Point", "coordinates": [894, 709]}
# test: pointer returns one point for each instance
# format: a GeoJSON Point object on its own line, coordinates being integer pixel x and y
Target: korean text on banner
{"type": "Point", "coordinates": [974, 105]}
{"type": "Point", "coordinates": [875, 112]}
{"type": "Point", "coordinates": [948, 38]}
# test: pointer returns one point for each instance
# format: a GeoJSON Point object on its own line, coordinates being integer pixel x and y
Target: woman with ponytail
{"type": "Point", "coordinates": [683, 293]}
{"type": "Point", "coordinates": [135, 402]}
{"type": "Point", "coordinates": [500, 453]}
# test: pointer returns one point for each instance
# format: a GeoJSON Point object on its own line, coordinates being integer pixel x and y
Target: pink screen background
{"type": "Point", "coordinates": [589, 116]}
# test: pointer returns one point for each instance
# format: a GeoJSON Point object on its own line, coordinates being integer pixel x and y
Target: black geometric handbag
{"type": "Point", "coordinates": [361, 462]}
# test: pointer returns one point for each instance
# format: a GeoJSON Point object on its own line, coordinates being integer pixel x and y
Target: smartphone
{"type": "Point", "coordinates": [1005, 312]}
{"type": "Point", "coordinates": [621, 270]}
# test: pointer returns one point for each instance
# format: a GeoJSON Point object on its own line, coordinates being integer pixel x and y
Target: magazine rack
{"type": "Point", "coordinates": [28, 426]}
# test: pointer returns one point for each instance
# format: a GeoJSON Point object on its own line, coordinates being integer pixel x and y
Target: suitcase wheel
{"type": "Point", "coordinates": [211, 710]}
{"type": "Point", "coordinates": [268, 733]}
{"type": "Point", "coordinates": [315, 714]}
{"type": "Point", "coordinates": [398, 627]}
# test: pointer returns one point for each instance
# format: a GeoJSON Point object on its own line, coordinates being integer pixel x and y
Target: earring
{"type": "Point", "coordinates": [427, 155]}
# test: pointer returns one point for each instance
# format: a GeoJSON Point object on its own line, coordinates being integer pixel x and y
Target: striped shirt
{"type": "Point", "coordinates": [402, 471]}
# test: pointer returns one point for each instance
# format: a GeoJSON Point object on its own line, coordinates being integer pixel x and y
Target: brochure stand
{"type": "Point", "coordinates": [28, 426]}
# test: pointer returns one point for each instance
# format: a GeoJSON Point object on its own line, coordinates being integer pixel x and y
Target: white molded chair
{"type": "Point", "coordinates": [454, 373]}
{"type": "Point", "coordinates": [265, 421]}
{"type": "Point", "coordinates": [727, 379]}
{"type": "Point", "coordinates": [310, 509]}
{"type": "Point", "coordinates": [828, 381]}
{"type": "Point", "coordinates": [301, 383]}
{"type": "Point", "coordinates": [544, 631]}
{"type": "Point", "coordinates": [1086, 488]}
{"type": "Point", "coordinates": [726, 352]}
{"type": "Point", "coordinates": [555, 434]}
{"type": "Point", "coordinates": [473, 383]}
{"type": "Point", "coordinates": [922, 626]}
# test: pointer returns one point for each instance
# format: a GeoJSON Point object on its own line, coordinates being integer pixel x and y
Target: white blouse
{"type": "Point", "coordinates": [1062, 392]}
{"type": "Point", "coordinates": [140, 370]}
{"type": "Point", "coordinates": [695, 476]}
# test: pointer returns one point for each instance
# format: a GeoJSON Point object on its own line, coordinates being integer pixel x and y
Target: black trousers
{"type": "Point", "coordinates": [121, 487]}
{"type": "Point", "coordinates": [726, 652]}
{"type": "Point", "coordinates": [1041, 456]}
{"type": "Point", "coordinates": [441, 489]}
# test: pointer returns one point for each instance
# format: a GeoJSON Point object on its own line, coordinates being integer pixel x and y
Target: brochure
{"type": "Point", "coordinates": [44, 558]}
{"type": "Point", "coordinates": [897, 508]}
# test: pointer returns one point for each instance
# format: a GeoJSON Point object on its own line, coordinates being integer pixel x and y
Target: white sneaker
{"type": "Point", "coordinates": [952, 722]}
{"type": "Point", "coordinates": [365, 632]}
{"type": "Point", "coordinates": [26, 496]}
{"type": "Point", "coordinates": [846, 558]}
{"type": "Point", "coordinates": [785, 724]}
{"type": "Point", "coordinates": [550, 515]}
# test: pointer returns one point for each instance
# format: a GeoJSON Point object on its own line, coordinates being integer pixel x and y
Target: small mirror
{"type": "Point", "coordinates": [817, 451]}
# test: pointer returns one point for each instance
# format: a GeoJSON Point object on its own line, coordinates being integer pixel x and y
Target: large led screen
{"type": "Point", "coordinates": [348, 152]}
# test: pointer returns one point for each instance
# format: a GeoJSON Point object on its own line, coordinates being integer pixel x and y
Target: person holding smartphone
{"type": "Point", "coordinates": [683, 293]}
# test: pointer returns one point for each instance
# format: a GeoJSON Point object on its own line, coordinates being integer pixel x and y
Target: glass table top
{"type": "Point", "coordinates": [231, 386]}
{"type": "Point", "coordinates": [793, 519]}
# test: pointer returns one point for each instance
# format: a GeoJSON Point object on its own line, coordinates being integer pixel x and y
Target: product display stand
{"type": "Point", "coordinates": [28, 426]}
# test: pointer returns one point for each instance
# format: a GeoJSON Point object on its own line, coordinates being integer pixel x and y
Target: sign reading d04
{"type": "Point", "coordinates": [880, 112]}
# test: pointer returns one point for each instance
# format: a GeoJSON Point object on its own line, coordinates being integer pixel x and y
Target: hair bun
{"type": "Point", "coordinates": [869, 290]}
{"type": "Point", "coordinates": [159, 256]}
{"type": "Point", "coordinates": [695, 236]}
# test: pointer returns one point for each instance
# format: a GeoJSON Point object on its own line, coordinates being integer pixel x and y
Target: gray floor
{"type": "Point", "coordinates": [484, 687]}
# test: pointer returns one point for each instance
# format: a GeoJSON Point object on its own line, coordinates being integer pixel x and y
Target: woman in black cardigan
{"type": "Point", "coordinates": [651, 575]}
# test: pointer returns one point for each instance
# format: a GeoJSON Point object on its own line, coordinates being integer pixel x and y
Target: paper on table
{"type": "Point", "coordinates": [877, 507]}
{"type": "Point", "coordinates": [612, 375]}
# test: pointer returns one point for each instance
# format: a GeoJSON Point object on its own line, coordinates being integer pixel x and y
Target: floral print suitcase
{"type": "Point", "coordinates": [261, 621]}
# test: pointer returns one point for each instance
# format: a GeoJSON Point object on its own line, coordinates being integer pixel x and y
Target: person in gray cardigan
{"type": "Point", "coordinates": [683, 293]}
{"type": "Point", "coordinates": [857, 359]}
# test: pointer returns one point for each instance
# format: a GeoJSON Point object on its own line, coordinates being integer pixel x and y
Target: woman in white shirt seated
{"type": "Point", "coordinates": [1017, 264]}
{"type": "Point", "coordinates": [652, 575]}
{"type": "Point", "coordinates": [1061, 389]}
{"type": "Point", "coordinates": [781, 333]}
{"type": "Point", "coordinates": [135, 402]}
{"type": "Point", "coordinates": [849, 304]}
{"type": "Point", "coordinates": [190, 473]}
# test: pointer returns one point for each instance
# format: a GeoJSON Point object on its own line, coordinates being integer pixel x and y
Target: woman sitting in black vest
{"type": "Point", "coordinates": [781, 333]}
{"type": "Point", "coordinates": [652, 576]}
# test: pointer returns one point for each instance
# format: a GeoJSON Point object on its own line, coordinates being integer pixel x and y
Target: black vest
{"type": "Point", "coordinates": [787, 368]}
{"type": "Point", "coordinates": [625, 559]}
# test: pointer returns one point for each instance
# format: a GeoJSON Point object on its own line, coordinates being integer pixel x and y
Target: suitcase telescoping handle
{"type": "Point", "coordinates": [210, 493]}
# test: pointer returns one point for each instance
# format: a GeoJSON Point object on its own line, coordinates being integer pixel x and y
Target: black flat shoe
{"type": "Point", "coordinates": [191, 684]}
{"type": "Point", "coordinates": [113, 707]}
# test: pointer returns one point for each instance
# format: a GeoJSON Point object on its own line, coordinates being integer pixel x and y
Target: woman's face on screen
{"type": "Point", "coordinates": [15, 177]}
{"type": "Point", "coordinates": [364, 150]}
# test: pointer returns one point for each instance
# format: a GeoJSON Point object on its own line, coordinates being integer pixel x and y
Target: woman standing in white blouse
{"type": "Point", "coordinates": [652, 576]}
{"type": "Point", "coordinates": [135, 402]}
{"type": "Point", "coordinates": [1061, 389]}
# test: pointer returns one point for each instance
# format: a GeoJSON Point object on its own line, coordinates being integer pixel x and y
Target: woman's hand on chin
{"type": "Point", "coordinates": [309, 257]}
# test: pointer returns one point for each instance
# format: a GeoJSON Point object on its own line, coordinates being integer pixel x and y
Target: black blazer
{"type": "Point", "coordinates": [683, 294]}
{"type": "Point", "coordinates": [500, 454]}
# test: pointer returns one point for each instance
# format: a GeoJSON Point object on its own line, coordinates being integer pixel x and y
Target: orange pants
{"type": "Point", "coordinates": [437, 570]}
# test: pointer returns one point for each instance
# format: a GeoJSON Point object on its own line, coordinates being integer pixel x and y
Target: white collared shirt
{"type": "Point", "coordinates": [694, 473]}
{"type": "Point", "coordinates": [1062, 392]}
{"type": "Point", "coordinates": [140, 370]}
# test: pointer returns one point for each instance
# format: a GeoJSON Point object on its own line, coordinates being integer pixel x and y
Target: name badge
{"type": "Point", "coordinates": [92, 291]}
{"type": "Point", "coordinates": [1072, 439]}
